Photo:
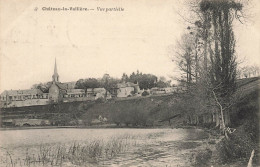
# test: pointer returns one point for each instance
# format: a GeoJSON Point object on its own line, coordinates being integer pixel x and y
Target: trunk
{"type": "Point", "coordinates": [222, 122]}
{"type": "Point", "coordinates": [204, 119]}
{"type": "Point", "coordinates": [217, 120]}
{"type": "Point", "coordinates": [187, 73]}
{"type": "Point", "coordinates": [222, 119]}
{"type": "Point", "coordinates": [196, 61]}
{"type": "Point", "coordinates": [205, 36]}
{"type": "Point", "coordinates": [251, 159]}
{"type": "Point", "coordinates": [211, 118]}
{"type": "Point", "coordinates": [189, 119]}
{"type": "Point", "coordinates": [227, 118]}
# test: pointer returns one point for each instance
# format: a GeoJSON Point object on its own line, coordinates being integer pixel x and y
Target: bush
{"type": "Point", "coordinates": [100, 100]}
{"type": "Point", "coordinates": [145, 93]}
{"type": "Point", "coordinates": [202, 158]}
{"type": "Point", "coordinates": [239, 147]}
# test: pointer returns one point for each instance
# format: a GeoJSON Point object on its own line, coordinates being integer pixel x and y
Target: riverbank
{"type": "Point", "coordinates": [102, 126]}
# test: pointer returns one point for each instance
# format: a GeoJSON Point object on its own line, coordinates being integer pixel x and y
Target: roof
{"type": "Point", "coordinates": [75, 91]}
{"type": "Point", "coordinates": [21, 92]}
{"type": "Point", "coordinates": [62, 85]}
{"type": "Point", "coordinates": [98, 90]}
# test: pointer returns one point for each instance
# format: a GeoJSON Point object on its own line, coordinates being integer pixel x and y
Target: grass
{"type": "Point", "coordinates": [78, 154]}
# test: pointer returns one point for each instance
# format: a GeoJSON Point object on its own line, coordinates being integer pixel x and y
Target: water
{"type": "Point", "coordinates": [153, 147]}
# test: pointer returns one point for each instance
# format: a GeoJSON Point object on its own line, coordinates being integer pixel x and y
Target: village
{"type": "Point", "coordinates": [66, 92]}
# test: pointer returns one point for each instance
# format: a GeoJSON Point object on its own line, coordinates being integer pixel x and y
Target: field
{"type": "Point", "coordinates": [100, 147]}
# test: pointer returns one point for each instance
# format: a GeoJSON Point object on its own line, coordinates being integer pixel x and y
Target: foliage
{"type": "Point", "coordinates": [87, 83]}
{"type": "Point", "coordinates": [44, 87]}
{"type": "Point", "coordinates": [206, 56]}
{"type": "Point", "coordinates": [248, 71]}
{"type": "Point", "coordinates": [136, 115]}
{"type": "Point", "coordinates": [87, 153]}
{"type": "Point", "coordinates": [100, 100]}
{"type": "Point", "coordinates": [145, 93]}
{"type": "Point", "coordinates": [163, 83]}
{"type": "Point", "coordinates": [145, 81]}
{"type": "Point", "coordinates": [202, 158]}
{"type": "Point", "coordinates": [239, 146]}
{"type": "Point", "coordinates": [106, 82]}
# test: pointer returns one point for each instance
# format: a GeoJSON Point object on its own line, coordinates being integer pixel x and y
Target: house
{"type": "Point", "coordinates": [21, 95]}
{"type": "Point", "coordinates": [98, 93]}
{"type": "Point", "coordinates": [125, 89]}
{"type": "Point", "coordinates": [74, 93]}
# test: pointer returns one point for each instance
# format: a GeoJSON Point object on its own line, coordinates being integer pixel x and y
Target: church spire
{"type": "Point", "coordinates": [55, 67]}
{"type": "Point", "coordinates": [55, 76]}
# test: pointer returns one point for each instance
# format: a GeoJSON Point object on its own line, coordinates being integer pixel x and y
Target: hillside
{"type": "Point", "coordinates": [143, 111]}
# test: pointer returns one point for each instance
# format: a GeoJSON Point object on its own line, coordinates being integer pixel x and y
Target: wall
{"type": "Point", "coordinates": [29, 102]}
{"type": "Point", "coordinates": [66, 100]}
{"type": "Point", "coordinates": [54, 93]}
{"type": "Point", "coordinates": [124, 92]}
{"type": "Point", "coordinates": [32, 122]}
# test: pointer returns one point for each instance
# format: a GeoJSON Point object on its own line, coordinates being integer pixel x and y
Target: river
{"type": "Point", "coordinates": [146, 147]}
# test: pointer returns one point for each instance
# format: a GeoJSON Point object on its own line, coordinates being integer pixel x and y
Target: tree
{"type": "Point", "coordinates": [187, 57]}
{"type": "Point", "coordinates": [87, 83]}
{"type": "Point", "coordinates": [145, 81]}
{"type": "Point", "coordinates": [124, 77]}
{"type": "Point", "coordinates": [248, 71]}
{"type": "Point", "coordinates": [163, 83]}
{"type": "Point", "coordinates": [207, 54]}
{"type": "Point", "coordinates": [44, 87]}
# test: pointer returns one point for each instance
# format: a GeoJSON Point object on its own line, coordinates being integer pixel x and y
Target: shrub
{"type": "Point", "coordinates": [145, 93]}
{"type": "Point", "coordinates": [202, 158]}
{"type": "Point", "coordinates": [100, 100]}
{"type": "Point", "coordinates": [239, 147]}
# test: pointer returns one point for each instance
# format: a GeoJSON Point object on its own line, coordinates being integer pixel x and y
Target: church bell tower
{"type": "Point", "coordinates": [55, 76]}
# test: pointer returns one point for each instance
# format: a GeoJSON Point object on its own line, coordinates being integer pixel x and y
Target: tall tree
{"type": "Point", "coordinates": [210, 55]}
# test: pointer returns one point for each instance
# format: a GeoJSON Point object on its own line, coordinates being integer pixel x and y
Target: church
{"type": "Point", "coordinates": [58, 92]}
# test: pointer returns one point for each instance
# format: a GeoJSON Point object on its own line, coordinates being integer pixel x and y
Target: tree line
{"type": "Point", "coordinates": [145, 81]}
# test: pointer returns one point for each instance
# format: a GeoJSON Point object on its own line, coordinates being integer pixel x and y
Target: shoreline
{"type": "Point", "coordinates": [99, 127]}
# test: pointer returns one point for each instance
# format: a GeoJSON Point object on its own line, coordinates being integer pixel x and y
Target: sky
{"type": "Point", "coordinates": [91, 43]}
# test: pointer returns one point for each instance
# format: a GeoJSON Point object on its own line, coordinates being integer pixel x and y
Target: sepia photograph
{"type": "Point", "coordinates": [129, 83]}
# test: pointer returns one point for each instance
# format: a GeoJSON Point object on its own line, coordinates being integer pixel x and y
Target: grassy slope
{"type": "Point", "coordinates": [148, 109]}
